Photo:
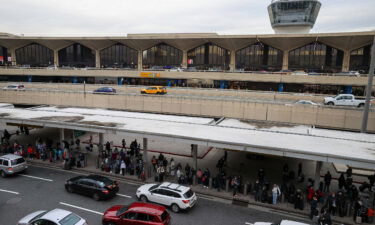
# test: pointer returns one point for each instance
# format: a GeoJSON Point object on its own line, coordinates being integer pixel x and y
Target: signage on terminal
{"type": "Point", "coordinates": [149, 74]}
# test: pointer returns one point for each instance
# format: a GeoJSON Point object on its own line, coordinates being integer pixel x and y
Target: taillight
{"type": "Point", "coordinates": [105, 191]}
{"type": "Point", "coordinates": [10, 169]}
{"type": "Point", "coordinates": [185, 201]}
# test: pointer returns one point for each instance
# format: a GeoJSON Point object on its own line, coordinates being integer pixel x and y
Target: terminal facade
{"type": "Point", "coordinates": [195, 53]}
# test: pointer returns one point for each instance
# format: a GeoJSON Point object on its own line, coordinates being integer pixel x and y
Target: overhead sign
{"type": "Point", "coordinates": [149, 74]}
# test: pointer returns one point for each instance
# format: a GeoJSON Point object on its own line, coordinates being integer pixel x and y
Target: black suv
{"type": "Point", "coordinates": [95, 186]}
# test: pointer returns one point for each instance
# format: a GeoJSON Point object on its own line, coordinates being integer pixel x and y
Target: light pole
{"type": "Point", "coordinates": [369, 88]}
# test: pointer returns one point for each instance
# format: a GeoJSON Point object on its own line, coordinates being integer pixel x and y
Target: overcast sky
{"type": "Point", "coordinates": [121, 17]}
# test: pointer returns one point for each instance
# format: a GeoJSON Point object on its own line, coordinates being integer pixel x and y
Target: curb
{"type": "Point", "coordinates": [138, 182]}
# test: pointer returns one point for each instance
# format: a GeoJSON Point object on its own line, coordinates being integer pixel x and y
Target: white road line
{"type": "Point", "coordinates": [77, 207]}
{"type": "Point", "coordinates": [126, 196]}
{"type": "Point", "coordinates": [247, 223]}
{"type": "Point", "coordinates": [39, 178]}
{"type": "Point", "coordinates": [12, 192]}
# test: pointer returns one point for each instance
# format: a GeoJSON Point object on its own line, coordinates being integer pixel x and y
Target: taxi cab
{"type": "Point", "coordinates": [157, 90]}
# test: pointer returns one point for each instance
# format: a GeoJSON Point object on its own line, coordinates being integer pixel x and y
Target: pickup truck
{"type": "Point", "coordinates": [345, 100]}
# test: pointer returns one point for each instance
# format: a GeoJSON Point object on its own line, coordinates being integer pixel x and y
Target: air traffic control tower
{"type": "Point", "coordinates": [293, 16]}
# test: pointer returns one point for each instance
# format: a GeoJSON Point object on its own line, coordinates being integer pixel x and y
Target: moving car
{"type": "Point", "coordinates": [299, 72]}
{"type": "Point", "coordinates": [52, 217]}
{"type": "Point", "coordinates": [305, 102]}
{"type": "Point", "coordinates": [105, 90]}
{"type": "Point", "coordinates": [15, 87]}
{"type": "Point", "coordinates": [95, 186]}
{"type": "Point", "coordinates": [349, 73]}
{"type": "Point", "coordinates": [345, 100]}
{"type": "Point", "coordinates": [173, 195]}
{"type": "Point", "coordinates": [158, 90]}
{"type": "Point", "coordinates": [12, 164]}
{"type": "Point", "coordinates": [282, 222]}
{"type": "Point", "coordinates": [137, 213]}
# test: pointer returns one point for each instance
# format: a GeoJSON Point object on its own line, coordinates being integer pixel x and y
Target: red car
{"type": "Point", "coordinates": [138, 213]}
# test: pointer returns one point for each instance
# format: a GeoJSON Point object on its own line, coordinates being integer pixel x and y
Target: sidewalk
{"type": "Point", "coordinates": [243, 200]}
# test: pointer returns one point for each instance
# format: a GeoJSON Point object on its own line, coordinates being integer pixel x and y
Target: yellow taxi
{"type": "Point", "coordinates": [157, 90]}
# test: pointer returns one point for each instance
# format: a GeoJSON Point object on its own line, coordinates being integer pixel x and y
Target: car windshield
{"type": "Point", "coordinates": [122, 210]}
{"type": "Point", "coordinates": [12, 86]}
{"type": "Point", "coordinates": [70, 219]}
{"type": "Point", "coordinates": [188, 194]}
{"type": "Point", "coordinates": [17, 161]}
{"type": "Point", "coordinates": [153, 187]}
{"type": "Point", "coordinates": [38, 216]}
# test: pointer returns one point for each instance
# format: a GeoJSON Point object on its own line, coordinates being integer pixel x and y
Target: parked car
{"type": "Point", "coordinates": [349, 73]}
{"type": "Point", "coordinates": [313, 73]}
{"type": "Point", "coordinates": [299, 72]}
{"type": "Point", "coordinates": [52, 217]}
{"type": "Point", "coordinates": [305, 102]}
{"type": "Point", "coordinates": [105, 90]}
{"type": "Point", "coordinates": [12, 164]}
{"type": "Point", "coordinates": [15, 87]}
{"type": "Point", "coordinates": [137, 213]}
{"type": "Point", "coordinates": [95, 186]}
{"type": "Point", "coordinates": [345, 100]}
{"type": "Point", "coordinates": [282, 222]}
{"type": "Point", "coordinates": [158, 90]}
{"type": "Point", "coordinates": [173, 195]}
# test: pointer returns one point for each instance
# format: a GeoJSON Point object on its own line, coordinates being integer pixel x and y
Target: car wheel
{"type": "Point", "coordinates": [330, 103]}
{"type": "Point", "coordinates": [3, 173]}
{"type": "Point", "coordinates": [142, 92]}
{"type": "Point", "coordinates": [69, 189]}
{"type": "Point", "coordinates": [143, 198]}
{"type": "Point", "coordinates": [96, 197]}
{"type": "Point", "coordinates": [361, 105]}
{"type": "Point", "coordinates": [175, 208]}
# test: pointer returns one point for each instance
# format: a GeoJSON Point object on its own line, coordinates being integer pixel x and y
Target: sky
{"type": "Point", "coordinates": [122, 17]}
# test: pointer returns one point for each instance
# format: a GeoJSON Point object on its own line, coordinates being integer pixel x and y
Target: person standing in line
{"type": "Point", "coordinates": [122, 167]}
{"type": "Point", "coordinates": [123, 143]}
{"type": "Point", "coordinates": [275, 193]}
{"type": "Point", "coordinates": [327, 181]}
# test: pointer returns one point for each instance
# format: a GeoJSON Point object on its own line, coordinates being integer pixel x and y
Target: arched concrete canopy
{"type": "Point", "coordinates": [286, 43]}
{"type": "Point", "coordinates": [14, 44]}
{"type": "Point", "coordinates": [116, 43]}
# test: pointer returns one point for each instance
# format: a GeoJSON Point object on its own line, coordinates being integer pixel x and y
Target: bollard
{"type": "Point", "coordinates": [210, 183]}
{"type": "Point", "coordinates": [245, 189]}
{"type": "Point", "coordinates": [227, 185]}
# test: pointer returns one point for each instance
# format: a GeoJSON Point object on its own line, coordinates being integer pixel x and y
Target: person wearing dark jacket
{"type": "Point", "coordinates": [327, 181]}
{"type": "Point", "coordinates": [341, 181]}
{"type": "Point", "coordinates": [314, 205]}
{"type": "Point", "coordinates": [325, 218]}
{"type": "Point", "coordinates": [332, 204]}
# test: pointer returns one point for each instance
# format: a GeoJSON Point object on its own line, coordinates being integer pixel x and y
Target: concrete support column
{"type": "Point", "coordinates": [101, 142]}
{"type": "Point", "coordinates": [317, 174]}
{"type": "Point", "coordinates": [97, 58]}
{"type": "Point", "coordinates": [56, 57]}
{"type": "Point", "coordinates": [346, 61]}
{"type": "Point", "coordinates": [140, 60]}
{"type": "Point", "coordinates": [62, 136]}
{"type": "Point", "coordinates": [194, 153]}
{"type": "Point", "coordinates": [145, 158]}
{"type": "Point", "coordinates": [232, 63]}
{"type": "Point", "coordinates": [184, 59]}
{"type": "Point", "coordinates": [285, 60]}
{"type": "Point", "coordinates": [13, 56]}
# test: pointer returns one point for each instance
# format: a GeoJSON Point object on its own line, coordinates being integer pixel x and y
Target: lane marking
{"type": "Point", "coordinates": [77, 207]}
{"type": "Point", "coordinates": [126, 196]}
{"type": "Point", "coordinates": [247, 223]}
{"type": "Point", "coordinates": [12, 192]}
{"type": "Point", "coordinates": [39, 178]}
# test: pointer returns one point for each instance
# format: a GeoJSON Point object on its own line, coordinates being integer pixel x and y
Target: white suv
{"type": "Point", "coordinates": [169, 194]}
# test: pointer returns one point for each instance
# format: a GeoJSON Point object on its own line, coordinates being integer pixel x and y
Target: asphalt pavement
{"type": "Point", "coordinates": [43, 189]}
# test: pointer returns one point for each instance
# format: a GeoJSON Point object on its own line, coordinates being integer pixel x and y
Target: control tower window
{"type": "Point", "coordinates": [259, 56]}
{"type": "Point", "coordinates": [209, 56]}
{"type": "Point", "coordinates": [77, 55]}
{"type": "Point", "coordinates": [119, 56]}
{"type": "Point", "coordinates": [34, 55]}
{"type": "Point", "coordinates": [316, 57]}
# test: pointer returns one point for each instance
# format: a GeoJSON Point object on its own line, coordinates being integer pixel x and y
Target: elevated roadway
{"type": "Point", "coordinates": [244, 108]}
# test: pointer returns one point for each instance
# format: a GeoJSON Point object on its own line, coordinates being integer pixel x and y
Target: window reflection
{"type": "Point", "coordinates": [316, 57]}
{"type": "Point", "coordinates": [258, 57]}
{"type": "Point", "coordinates": [3, 56]}
{"type": "Point", "coordinates": [119, 56]}
{"type": "Point", "coordinates": [77, 55]}
{"type": "Point", "coordinates": [162, 56]}
{"type": "Point", "coordinates": [34, 55]}
{"type": "Point", "coordinates": [209, 57]}
{"type": "Point", "coordinates": [360, 59]}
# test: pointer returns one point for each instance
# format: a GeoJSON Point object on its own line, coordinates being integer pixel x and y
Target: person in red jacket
{"type": "Point", "coordinates": [30, 151]}
{"type": "Point", "coordinates": [310, 193]}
